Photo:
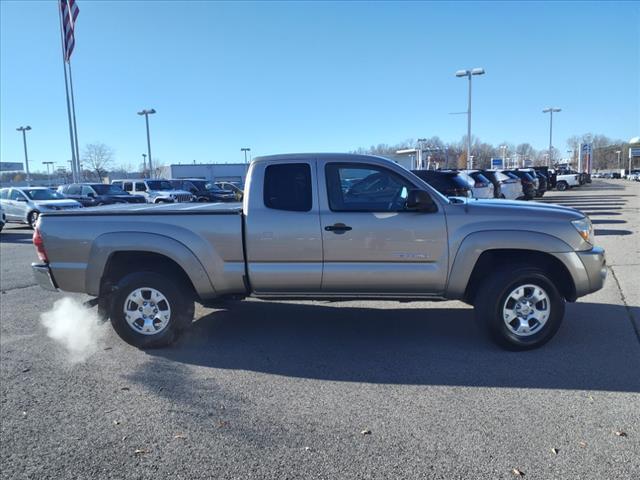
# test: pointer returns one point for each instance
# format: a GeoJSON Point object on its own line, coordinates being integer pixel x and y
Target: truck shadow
{"type": "Point", "coordinates": [595, 349]}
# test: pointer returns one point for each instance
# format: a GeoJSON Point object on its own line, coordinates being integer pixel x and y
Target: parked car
{"type": "Point", "coordinates": [154, 191]}
{"type": "Point", "coordinates": [448, 182]}
{"type": "Point", "coordinates": [481, 186]}
{"type": "Point", "coordinates": [98, 194]}
{"type": "Point", "coordinates": [203, 191]}
{"type": "Point", "coordinates": [299, 235]}
{"type": "Point", "coordinates": [566, 179]}
{"type": "Point", "coordinates": [3, 219]}
{"type": "Point", "coordinates": [508, 187]}
{"type": "Point", "coordinates": [25, 204]}
{"type": "Point", "coordinates": [543, 183]}
{"type": "Point", "coordinates": [527, 182]}
{"type": "Point", "coordinates": [549, 175]}
{"type": "Point", "coordinates": [235, 188]}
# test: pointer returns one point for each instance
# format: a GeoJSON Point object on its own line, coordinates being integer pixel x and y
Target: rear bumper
{"type": "Point", "coordinates": [42, 274]}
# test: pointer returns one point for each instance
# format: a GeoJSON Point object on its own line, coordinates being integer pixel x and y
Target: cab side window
{"type": "Point", "coordinates": [86, 190]}
{"type": "Point", "coordinates": [288, 187]}
{"type": "Point", "coordinates": [141, 187]}
{"type": "Point", "coordinates": [127, 187]}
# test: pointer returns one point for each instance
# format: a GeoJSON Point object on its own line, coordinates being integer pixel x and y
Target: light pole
{"type": "Point", "coordinates": [24, 131]}
{"type": "Point", "coordinates": [144, 164]}
{"type": "Point", "coordinates": [550, 111]}
{"type": "Point", "coordinates": [146, 114]}
{"type": "Point", "coordinates": [48, 173]}
{"type": "Point", "coordinates": [245, 150]}
{"type": "Point", "coordinates": [469, 73]}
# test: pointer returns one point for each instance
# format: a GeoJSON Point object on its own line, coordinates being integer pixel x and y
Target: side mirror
{"type": "Point", "coordinates": [420, 201]}
{"type": "Point", "coordinates": [91, 195]}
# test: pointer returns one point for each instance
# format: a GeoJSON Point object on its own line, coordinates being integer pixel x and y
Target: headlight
{"type": "Point", "coordinates": [584, 228]}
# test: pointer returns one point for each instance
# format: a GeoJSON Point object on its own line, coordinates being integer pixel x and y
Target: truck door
{"type": "Point", "coordinates": [372, 244]}
{"type": "Point", "coordinates": [282, 227]}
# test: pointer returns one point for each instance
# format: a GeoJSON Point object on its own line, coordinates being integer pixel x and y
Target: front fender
{"type": "Point", "coordinates": [475, 244]}
{"type": "Point", "coordinates": [106, 245]}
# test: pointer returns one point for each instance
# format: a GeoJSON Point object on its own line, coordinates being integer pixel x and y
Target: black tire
{"type": "Point", "coordinates": [179, 298]}
{"type": "Point", "coordinates": [493, 295]}
{"type": "Point", "coordinates": [32, 218]}
{"type": "Point", "coordinates": [561, 186]}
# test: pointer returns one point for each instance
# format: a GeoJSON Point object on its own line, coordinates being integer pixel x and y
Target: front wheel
{"type": "Point", "coordinates": [520, 306]}
{"type": "Point", "coordinates": [562, 186]}
{"type": "Point", "coordinates": [150, 310]}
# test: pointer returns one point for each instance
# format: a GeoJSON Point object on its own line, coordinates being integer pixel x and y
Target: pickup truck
{"type": "Point", "coordinates": [324, 226]}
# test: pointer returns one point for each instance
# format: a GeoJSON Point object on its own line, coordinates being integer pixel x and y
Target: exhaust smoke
{"type": "Point", "coordinates": [77, 328]}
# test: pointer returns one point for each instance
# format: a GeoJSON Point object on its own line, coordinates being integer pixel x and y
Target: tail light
{"type": "Point", "coordinates": [39, 244]}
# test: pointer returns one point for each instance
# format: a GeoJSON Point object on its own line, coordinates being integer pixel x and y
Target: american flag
{"type": "Point", "coordinates": [69, 10]}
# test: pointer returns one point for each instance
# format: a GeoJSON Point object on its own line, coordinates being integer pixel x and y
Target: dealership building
{"type": "Point", "coordinates": [213, 172]}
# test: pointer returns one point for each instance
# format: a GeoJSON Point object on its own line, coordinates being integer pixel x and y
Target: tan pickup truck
{"type": "Point", "coordinates": [324, 226]}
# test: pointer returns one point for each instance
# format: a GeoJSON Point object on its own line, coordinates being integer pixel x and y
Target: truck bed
{"type": "Point", "coordinates": [204, 239]}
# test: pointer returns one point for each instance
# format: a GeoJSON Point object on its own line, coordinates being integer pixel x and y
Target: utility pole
{"type": "Point", "coordinates": [146, 114]}
{"type": "Point", "coordinates": [245, 150]}
{"type": "Point", "coordinates": [48, 173]}
{"type": "Point", "coordinates": [469, 73]}
{"type": "Point", "coordinates": [550, 111]}
{"type": "Point", "coordinates": [24, 131]}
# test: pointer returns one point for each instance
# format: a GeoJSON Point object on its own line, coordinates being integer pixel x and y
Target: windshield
{"type": "Point", "coordinates": [108, 190]}
{"type": "Point", "coordinates": [159, 185]}
{"type": "Point", "coordinates": [43, 194]}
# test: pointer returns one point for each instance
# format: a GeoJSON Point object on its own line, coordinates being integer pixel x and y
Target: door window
{"type": "Point", "coordinates": [4, 194]}
{"type": "Point", "coordinates": [358, 188]}
{"type": "Point", "coordinates": [141, 187]}
{"type": "Point", "coordinates": [288, 187]}
{"type": "Point", "coordinates": [86, 190]}
{"type": "Point", "coordinates": [74, 190]}
{"type": "Point", "coordinates": [16, 195]}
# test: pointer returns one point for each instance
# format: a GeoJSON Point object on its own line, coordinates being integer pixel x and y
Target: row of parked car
{"type": "Point", "coordinates": [513, 184]}
{"type": "Point", "coordinates": [24, 204]}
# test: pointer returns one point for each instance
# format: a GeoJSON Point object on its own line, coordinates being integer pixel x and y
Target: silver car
{"type": "Point", "coordinates": [24, 204]}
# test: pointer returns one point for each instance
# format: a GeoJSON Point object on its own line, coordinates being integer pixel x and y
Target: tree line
{"type": "Point", "coordinates": [454, 154]}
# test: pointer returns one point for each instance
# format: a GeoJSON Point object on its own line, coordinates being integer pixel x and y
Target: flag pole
{"type": "Point", "coordinates": [74, 161]}
{"type": "Point", "coordinates": [75, 128]}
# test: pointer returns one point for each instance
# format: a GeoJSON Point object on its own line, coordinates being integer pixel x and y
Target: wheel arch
{"type": "Point", "coordinates": [480, 252]}
{"type": "Point", "coordinates": [115, 254]}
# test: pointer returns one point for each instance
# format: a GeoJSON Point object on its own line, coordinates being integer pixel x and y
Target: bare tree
{"type": "Point", "coordinates": [98, 157]}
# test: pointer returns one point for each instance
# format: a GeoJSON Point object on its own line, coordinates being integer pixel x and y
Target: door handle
{"type": "Point", "coordinates": [337, 228]}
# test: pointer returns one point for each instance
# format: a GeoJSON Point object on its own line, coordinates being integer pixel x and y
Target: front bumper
{"type": "Point", "coordinates": [42, 274]}
{"type": "Point", "coordinates": [595, 264]}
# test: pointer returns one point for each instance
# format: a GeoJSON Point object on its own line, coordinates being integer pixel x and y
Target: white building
{"type": "Point", "coordinates": [213, 172]}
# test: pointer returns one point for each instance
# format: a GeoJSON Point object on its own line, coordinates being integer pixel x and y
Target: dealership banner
{"type": "Point", "coordinates": [584, 162]}
{"type": "Point", "coordinates": [11, 167]}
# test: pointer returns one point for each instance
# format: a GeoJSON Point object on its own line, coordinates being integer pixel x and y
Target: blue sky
{"type": "Point", "coordinates": [283, 77]}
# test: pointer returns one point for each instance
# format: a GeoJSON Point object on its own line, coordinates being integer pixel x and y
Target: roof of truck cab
{"type": "Point", "coordinates": [344, 157]}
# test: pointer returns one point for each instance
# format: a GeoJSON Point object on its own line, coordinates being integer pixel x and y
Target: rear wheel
{"type": "Point", "coordinates": [33, 218]}
{"type": "Point", "coordinates": [150, 310]}
{"type": "Point", "coordinates": [520, 306]}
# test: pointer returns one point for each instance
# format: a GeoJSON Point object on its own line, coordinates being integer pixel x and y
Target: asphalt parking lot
{"type": "Point", "coordinates": [333, 390]}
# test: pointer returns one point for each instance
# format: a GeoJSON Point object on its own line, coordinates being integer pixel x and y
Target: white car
{"type": "Point", "coordinates": [566, 180]}
{"type": "Point", "coordinates": [510, 185]}
{"type": "Point", "coordinates": [25, 204]}
{"type": "Point", "coordinates": [154, 191]}
{"type": "Point", "coordinates": [481, 186]}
